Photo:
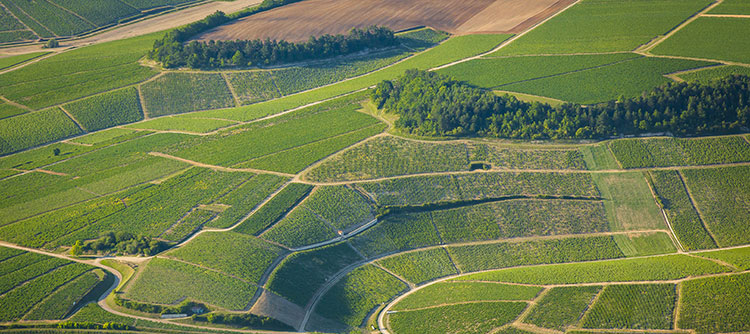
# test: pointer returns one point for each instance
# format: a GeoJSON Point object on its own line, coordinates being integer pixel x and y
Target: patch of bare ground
{"type": "Point", "coordinates": [299, 21]}
{"type": "Point", "coordinates": [271, 305]}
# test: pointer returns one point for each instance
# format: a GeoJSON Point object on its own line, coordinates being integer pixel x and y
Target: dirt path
{"type": "Point", "coordinates": [651, 45]}
{"type": "Point", "coordinates": [219, 168]}
{"type": "Point", "coordinates": [727, 15]}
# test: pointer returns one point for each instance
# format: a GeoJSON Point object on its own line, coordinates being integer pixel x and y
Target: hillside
{"type": "Point", "coordinates": [571, 169]}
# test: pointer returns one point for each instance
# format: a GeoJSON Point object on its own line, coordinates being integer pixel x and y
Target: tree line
{"type": "Point", "coordinates": [435, 105]}
{"type": "Point", "coordinates": [257, 52]}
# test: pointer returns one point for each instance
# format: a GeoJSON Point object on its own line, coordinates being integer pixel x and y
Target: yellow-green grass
{"type": "Point", "coordinates": [719, 38]}
{"type": "Point", "coordinates": [125, 271]}
{"type": "Point", "coordinates": [36, 128]}
{"type": "Point", "coordinates": [657, 268]}
{"type": "Point", "coordinates": [445, 293]}
{"type": "Point", "coordinates": [107, 110]}
{"type": "Point", "coordinates": [642, 244]}
{"type": "Point", "coordinates": [183, 123]}
{"type": "Point", "coordinates": [472, 318]}
{"type": "Point", "coordinates": [164, 281]}
{"type": "Point", "coordinates": [10, 110]}
{"type": "Point", "coordinates": [599, 157]}
{"type": "Point", "coordinates": [629, 202]}
{"type": "Point", "coordinates": [627, 78]}
{"type": "Point", "coordinates": [605, 26]}
{"type": "Point", "coordinates": [9, 61]}
{"type": "Point", "coordinates": [716, 304]}
{"type": "Point", "coordinates": [713, 73]}
{"type": "Point", "coordinates": [114, 135]}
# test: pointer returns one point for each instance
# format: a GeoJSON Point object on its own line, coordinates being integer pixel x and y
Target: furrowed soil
{"type": "Point", "coordinates": [299, 21]}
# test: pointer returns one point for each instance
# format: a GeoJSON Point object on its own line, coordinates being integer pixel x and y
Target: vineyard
{"type": "Point", "coordinates": [462, 318]}
{"type": "Point", "coordinates": [462, 292]}
{"type": "Point", "coordinates": [704, 35]}
{"type": "Point", "coordinates": [634, 307]}
{"type": "Point", "coordinates": [562, 307]}
{"type": "Point", "coordinates": [664, 152]}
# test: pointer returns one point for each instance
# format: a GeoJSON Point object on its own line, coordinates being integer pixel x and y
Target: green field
{"type": "Point", "coordinates": [737, 7]}
{"type": "Point", "coordinates": [447, 293]}
{"type": "Point", "coordinates": [628, 201]}
{"type": "Point", "coordinates": [643, 306]}
{"type": "Point", "coordinates": [599, 157]}
{"type": "Point", "coordinates": [713, 73]}
{"type": "Point", "coordinates": [163, 281]}
{"type": "Point", "coordinates": [243, 199]}
{"type": "Point", "coordinates": [464, 318]}
{"type": "Point", "coordinates": [605, 26]}
{"type": "Point", "coordinates": [562, 307]}
{"type": "Point", "coordinates": [721, 196]}
{"type": "Point", "coordinates": [643, 244]}
{"type": "Point", "coordinates": [107, 110]}
{"type": "Point", "coordinates": [737, 257]}
{"type": "Point", "coordinates": [183, 123]}
{"type": "Point", "coordinates": [421, 266]}
{"type": "Point", "coordinates": [274, 209]}
{"type": "Point", "coordinates": [628, 78]}
{"type": "Point", "coordinates": [176, 93]}
{"type": "Point", "coordinates": [716, 304]}
{"type": "Point", "coordinates": [622, 270]}
{"type": "Point", "coordinates": [232, 253]}
{"type": "Point", "coordinates": [494, 72]}
{"type": "Point", "coordinates": [9, 61]}
{"type": "Point", "coordinates": [357, 293]}
{"type": "Point", "coordinates": [35, 128]}
{"type": "Point", "coordinates": [707, 37]}
{"type": "Point", "coordinates": [665, 152]}
{"type": "Point", "coordinates": [674, 199]}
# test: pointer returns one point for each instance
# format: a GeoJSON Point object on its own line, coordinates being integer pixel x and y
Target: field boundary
{"type": "Point", "coordinates": [695, 207]}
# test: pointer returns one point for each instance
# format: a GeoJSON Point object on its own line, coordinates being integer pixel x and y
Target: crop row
{"type": "Point", "coordinates": [164, 281]}
{"type": "Point", "coordinates": [664, 152]}
{"type": "Point", "coordinates": [32, 270]}
{"type": "Point", "coordinates": [62, 301]}
{"type": "Point", "coordinates": [675, 201]}
{"type": "Point", "coordinates": [462, 292]}
{"type": "Point", "coordinates": [721, 196]}
{"type": "Point", "coordinates": [472, 318]}
{"type": "Point", "coordinates": [299, 228]}
{"type": "Point", "coordinates": [301, 274]}
{"type": "Point", "coordinates": [738, 257]}
{"type": "Point", "coordinates": [668, 267]}
{"type": "Point", "coordinates": [245, 198]}
{"type": "Point", "coordinates": [422, 190]}
{"type": "Point", "coordinates": [352, 298]}
{"type": "Point", "coordinates": [188, 224]}
{"type": "Point", "coordinates": [274, 209]}
{"type": "Point", "coordinates": [175, 93]}
{"type": "Point", "coordinates": [703, 37]}
{"type": "Point", "coordinates": [14, 304]}
{"type": "Point", "coordinates": [32, 129]}
{"type": "Point", "coordinates": [642, 306]}
{"type": "Point", "coordinates": [562, 307]}
{"type": "Point", "coordinates": [421, 266]}
{"type": "Point", "coordinates": [236, 254]}
{"type": "Point", "coordinates": [107, 110]}
{"type": "Point", "coordinates": [716, 304]}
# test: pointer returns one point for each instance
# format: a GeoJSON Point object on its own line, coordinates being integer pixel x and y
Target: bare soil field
{"type": "Point", "coordinates": [299, 21]}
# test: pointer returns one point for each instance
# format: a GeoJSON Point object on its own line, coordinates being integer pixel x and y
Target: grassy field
{"type": "Point", "coordinates": [463, 318]}
{"type": "Point", "coordinates": [232, 253]}
{"type": "Point", "coordinates": [667, 267]}
{"type": "Point", "coordinates": [643, 244]}
{"type": "Point", "coordinates": [107, 110]}
{"type": "Point", "coordinates": [164, 281]}
{"type": "Point", "coordinates": [186, 123]}
{"type": "Point", "coordinates": [665, 152]}
{"type": "Point", "coordinates": [599, 157]}
{"type": "Point", "coordinates": [628, 78]}
{"type": "Point", "coordinates": [643, 306]}
{"type": "Point", "coordinates": [629, 202]}
{"type": "Point", "coordinates": [274, 209]}
{"type": "Point", "coordinates": [562, 307]}
{"type": "Point", "coordinates": [176, 93]}
{"type": "Point", "coordinates": [10, 61]}
{"type": "Point", "coordinates": [421, 266]}
{"type": "Point", "coordinates": [721, 196]}
{"type": "Point", "coordinates": [508, 254]}
{"type": "Point", "coordinates": [357, 293]}
{"type": "Point", "coordinates": [738, 257]}
{"type": "Point", "coordinates": [729, 7]}
{"type": "Point", "coordinates": [446, 293]}
{"type": "Point", "coordinates": [687, 224]}
{"type": "Point", "coordinates": [707, 37]}
{"type": "Point", "coordinates": [605, 26]}
{"type": "Point", "coordinates": [713, 73]}
{"type": "Point", "coordinates": [716, 304]}
{"type": "Point", "coordinates": [301, 274]}
{"type": "Point", "coordinates": [494, 72]}
{"type": "Point", "coordinates": [9, 110]}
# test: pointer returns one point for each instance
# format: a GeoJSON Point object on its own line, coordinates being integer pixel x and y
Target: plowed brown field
{"type": "Point", "coordinates": [297, 22]}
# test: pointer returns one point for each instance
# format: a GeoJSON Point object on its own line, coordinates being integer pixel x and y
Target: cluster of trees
{"type": "Point", "coordinates": [243, 320]}
{"type": "Point", "coordinates": [120, 243]}
{"type": "Point", "coordinates": [434, 105]}
{"type": "Point", "coordinates": [213, 54]}
{"type": "Point", "coordinates": [91, 325]}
